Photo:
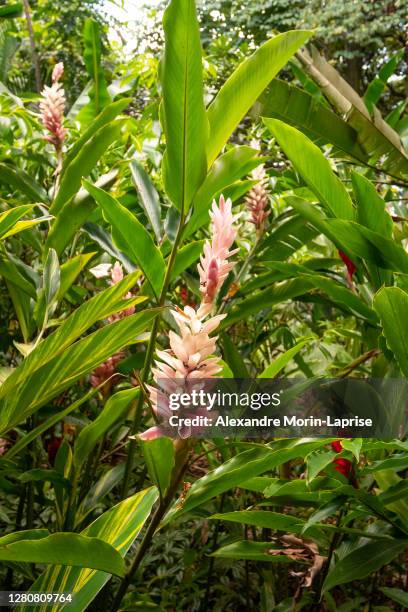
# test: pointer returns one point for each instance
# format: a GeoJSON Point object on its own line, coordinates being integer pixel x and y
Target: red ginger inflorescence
{"type": "Point", "coordinates": [344, 466]}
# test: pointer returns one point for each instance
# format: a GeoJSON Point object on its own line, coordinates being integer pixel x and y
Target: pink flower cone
{"type": "Point", "coordinates": [214, 266]}
{"type": "Point", "coordinates": [52, 108]}
{"type": "Point", "coordinates": [257, 199]}
{"type": "Point", "coordinates": [190, 363]}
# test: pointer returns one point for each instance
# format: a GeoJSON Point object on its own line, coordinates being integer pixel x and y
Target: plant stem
{"type": "Point", "coordinates": [148, 360]}
{"type": "Point", "coordinates": [154, 523]}
{"type": "Point", "coordinates": [34, 56]}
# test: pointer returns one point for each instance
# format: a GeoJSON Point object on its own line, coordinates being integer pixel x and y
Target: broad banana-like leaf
{"type": "Point", "coordinates": [375, 136]}
{"type": "Point", "coordinates": [306, 113]}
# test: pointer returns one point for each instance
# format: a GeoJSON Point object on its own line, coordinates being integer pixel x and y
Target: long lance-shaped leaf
{"type": "Point", "coordinates": [74, 215]}
{"type": "Point", "coordinates": [246, 84]}
{"type": "Point", "coordinates": [74, 363]}
{"type": "Point", "coordinates": [148, 196]}
{"type": "Point", "coordinates": [363, 561]}
{"type": "Point", "coordinates": [118, 527]}
{"type": "Point", "coordinates": [99, 307]}
{"type": "Point", "coordinates": [108, 114]}
{"type": "Point", "coordinates": [113, 410]}
{"type": "Point", "coordinates": [84, 162]}
{"type": "Point", "coordinates": [228, 168]}
{"type": "Point", "coordinates": [314, 168]}
{"type": "Point", "coordinates": [243, 466]}
{"type": "Point", "coordinates": [70, 549]}
{"type": "Point", "coordinates": [131, 237]}
{"type": "Point", "coordinates": [391, 303]}
{"type": "Point", "coordinates": [10, 217]}
{"type": "Point", "coordinates": [23, 182]}
{"type": "Point", "coordinates": [183, 112]}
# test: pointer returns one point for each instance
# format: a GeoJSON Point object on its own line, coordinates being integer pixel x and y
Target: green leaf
{"type": "Point", "coordinates": [371, 208]}
{"type": "Point", "coordinates": [318, 461]}
{"type": "Point", "coordinates": [84, 162]}
{"type": "Point", "coordinates": [98, 94]}
{"type": "Point", "coordinates": [305, 112]}
{"type": "Point", "coordinates": [265, 299]}
{"type": "Point", "coordinates": [108, 114]}
{"type": "Point", "coordinates": [28, 534]}
{"type": "Point", "coordinates": [314, 168]}
{"type": "Point", "coordinates": [226, 170]}
{"type": "Point", "coordinates": [119, 527]}
{"type": "Point", "coordinates": [99, 307]}
{"type": "Point", "coordinates": [62, 371]}
{"type": "Point", "coordinates": [251, 551]}
{"type": "Point", "coordinates": [23, 182]}
{"type": "Point", "coordinates": [70, 270]}
{"type": "Point", "coordinates": [397, 595]}
{"type": "Point", "coordinates": [246, 84]}
{"type": "Point", "coordinates": [263, 519]}
{"type": "Point", "coordinates": [186, 257]}
{"type": "Point", "coordinates": [183, 112]}
{"type": "Point", "coordinates": [379, 83]}
{"type": "Point", "coordinates": [9, 218]}
{"type": "Point", "coordinates": [397, 462]}
{"type": "Point", "coordinates": [243, 466]}
{"type": "Point", "coordinates": [114, 409]}
{"type": "Point", "coordinates": [132, 236]}
{"type": "Point", "coordinates": [148, 196]}
{"type": "Point", "coordinates": [51, 277]}
{"type": "Point", "coordinates": [74, 214]}
{"type": "Point", "coordinates": [391, 303]}
{"type": "Point", "coordinates": [109, 479]}
{"type": "Point", "coordinates": [47, 424]}
{"type": "Point", "coordinates": [159, 457]}
{"type": "Point", "coordinates": [10, 11]}
{"type": "Point", "coordinates": [280, 362]}
{"type": "Point", "coordinates": [286, 237]}
{"type": "Point", "coordinates": [66, 549]}
{"type": "Point", "coordinates": [234, 358]}
{"type": "Point", "coordinates": [377, 139]}
{"type": "Point", "coordinates": [41, 475]}
{"type": "Point", "coordinates": [353, 445]}
{"type": "Point", "coordinates": [362, 562]}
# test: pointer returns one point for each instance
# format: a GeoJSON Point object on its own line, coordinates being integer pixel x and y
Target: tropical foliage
{"type": "Point", "coordinates": [143, 206]}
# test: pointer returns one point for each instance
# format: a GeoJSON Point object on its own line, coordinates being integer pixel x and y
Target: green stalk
{"type": "Point", "coordinates": [148, 361]}
{"type": "Point", "coordinates": [178, 472]}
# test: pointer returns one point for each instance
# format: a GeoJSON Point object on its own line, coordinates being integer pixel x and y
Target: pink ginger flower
{"type": "Point", "coordinates": [3, 446]}
{"type": "Point", "coordinates": [117, 275]}
{"type": "Point", "coordinates": [257, 199]}
{"type": "Point", "coordinates": [183, 366]}
{"type": "Point", "coordinates": [214, 266]}
{"type": "Point", "coordinates": [52, 108]}
{"type": "Point", "coordinates": [189, 362]}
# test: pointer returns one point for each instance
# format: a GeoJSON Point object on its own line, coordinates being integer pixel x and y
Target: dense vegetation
{"type": "Point", "coordinates": [229, 203]}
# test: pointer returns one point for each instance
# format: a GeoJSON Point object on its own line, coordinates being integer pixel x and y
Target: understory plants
{"type": "Point", "coordinates": [255, 232]}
